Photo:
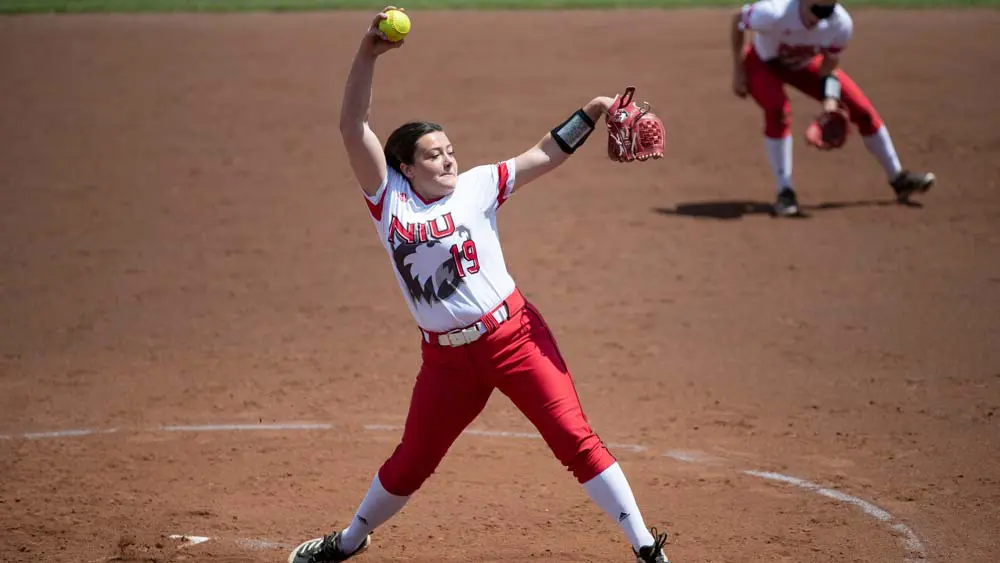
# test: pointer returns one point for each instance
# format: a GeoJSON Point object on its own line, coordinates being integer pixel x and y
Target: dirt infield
{"type": "Point", "coordinates": [183, 248]}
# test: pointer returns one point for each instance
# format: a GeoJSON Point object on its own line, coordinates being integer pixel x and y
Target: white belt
{"type": "Point", "coordinates": [470, 334]}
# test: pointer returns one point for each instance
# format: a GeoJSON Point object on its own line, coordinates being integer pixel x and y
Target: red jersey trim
{"type": "Point", "coordinates": [504, 175]}
{"type": "Point", "coordinates": [376, 208]}
{"type": "Point", "coordinates": [421, 198]}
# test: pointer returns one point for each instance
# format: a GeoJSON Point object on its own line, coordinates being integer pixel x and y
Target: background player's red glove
{"type": "Point", "coordinates": [634, 133]}
{"type": "Point", "coordinates": [829, 130]}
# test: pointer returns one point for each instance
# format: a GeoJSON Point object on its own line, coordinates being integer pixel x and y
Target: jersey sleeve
{"type": "Point", "coordinates": [760, 16]}
{"type": "Point", "coordinates": [845, 28]}
{"type": "Point", "coordinates": [495, 184]}
{"type": "Point", "coordinates": [392, 185]}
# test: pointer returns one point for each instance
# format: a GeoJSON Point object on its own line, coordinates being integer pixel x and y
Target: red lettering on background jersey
{"type": "Point", "coordinates": [793, 55]}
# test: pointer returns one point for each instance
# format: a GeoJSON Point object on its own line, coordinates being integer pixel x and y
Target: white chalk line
{"type": "Point", "coordinates": [251, 427]}
{"type": "Point", "coordinates": [691, 456]}
{"type": "Point", "coordinates": [911, 543]}
{"type": "Point", "coordinates": [261, 545]}
{"type": "Point", "coordinates": [913, 546]}
{"type": "Point", "coordinates": [77, 432]}
{"type": "Point", "coordinates": [58, 434]}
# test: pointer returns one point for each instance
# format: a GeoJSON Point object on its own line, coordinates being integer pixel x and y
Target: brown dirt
{"type": "Point", "coordinates": [183, 244]}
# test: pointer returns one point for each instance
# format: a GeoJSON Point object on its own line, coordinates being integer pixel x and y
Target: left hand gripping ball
{"type": "Point", "coordinates": [395, 26]}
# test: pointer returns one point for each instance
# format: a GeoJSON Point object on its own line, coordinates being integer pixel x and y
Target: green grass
{"type": "Point", "coordinates": [30, 6]}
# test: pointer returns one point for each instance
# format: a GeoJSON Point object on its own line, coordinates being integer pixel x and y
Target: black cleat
{"type": "Point", "coordinates": [908, 183]}
{"type": "Point", "coordinates": [787, 205]}
{"type": "Point", "coordinates": [653, 553]}
{"type": "Point", "coordinates": [325, 550]}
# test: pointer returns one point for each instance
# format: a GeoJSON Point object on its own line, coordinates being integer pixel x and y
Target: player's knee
{"type": "Point", "coordinates": [867, 121]}
{"type": "Point", "coordinates": [777, 123]}
{"type": "Point", "coordinates": [589, 460]}
{"type": "Point", "coordinates": [407, 469]}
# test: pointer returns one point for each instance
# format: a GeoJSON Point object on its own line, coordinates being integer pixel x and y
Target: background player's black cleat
{"type": "Point", "coordinates": [909, 183]}
{"type": "Point", "coordinates": [787, 205]}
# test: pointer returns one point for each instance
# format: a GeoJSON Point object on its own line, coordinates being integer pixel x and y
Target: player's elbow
{"type": "Point", "coordinates": [351, 128]}
{"type": "Point", "coordinates": [737, 22]}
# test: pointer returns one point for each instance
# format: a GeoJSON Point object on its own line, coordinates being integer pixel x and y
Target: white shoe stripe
{"type": "Point", "coordinates": [308, 547]}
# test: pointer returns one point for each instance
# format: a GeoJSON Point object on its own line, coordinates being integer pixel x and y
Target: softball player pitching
{"type": "Point", "coordinates": [799, 42]}
{"type": "Point", "coordinates": [478, 333]}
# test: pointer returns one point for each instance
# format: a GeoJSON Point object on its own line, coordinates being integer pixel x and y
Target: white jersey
{"type": "Point", "coordinates": [781, 34]}
{"type": "Point", "coordinates": [446, 253]}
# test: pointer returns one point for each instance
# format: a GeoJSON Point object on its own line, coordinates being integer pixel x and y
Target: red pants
{"type": "Point", "coordinates": [520, 359]}
{"type": "Point", "coordinates": [766, 84]}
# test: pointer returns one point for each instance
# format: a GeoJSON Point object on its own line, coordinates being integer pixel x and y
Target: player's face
{"type": "Point", "coordinates": [822, 9]}
{"type": "Point", "coordinates": [434, 168]}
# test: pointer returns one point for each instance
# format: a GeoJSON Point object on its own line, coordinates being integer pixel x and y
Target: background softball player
{"type": "Point", "coordinates": [478, 333]}
{"type": "Point", "coordinates": [799, 42]}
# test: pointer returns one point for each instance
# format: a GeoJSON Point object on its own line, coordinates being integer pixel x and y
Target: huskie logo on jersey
{"type": "Point", "coordinates": [431, 269]}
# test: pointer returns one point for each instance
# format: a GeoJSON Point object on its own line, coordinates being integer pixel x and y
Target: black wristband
{"type": "Point", "coordinates": [831, 87]}
{"type": "Point", "coordinates": [572, 133]}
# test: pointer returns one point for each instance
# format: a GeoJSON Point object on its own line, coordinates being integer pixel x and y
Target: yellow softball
{"type": "Point", "coordinates": [395, 26]}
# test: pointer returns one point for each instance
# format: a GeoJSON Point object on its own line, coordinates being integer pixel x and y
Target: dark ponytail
{"type": "Point", "coordinates": [402, 143]}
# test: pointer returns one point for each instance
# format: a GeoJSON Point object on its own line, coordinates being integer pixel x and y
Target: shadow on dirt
{"type": "Point", "coordinates": [737, 209]}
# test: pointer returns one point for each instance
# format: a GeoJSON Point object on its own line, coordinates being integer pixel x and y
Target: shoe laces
{"type": "Point", "coordinates": [329, 549]}
{"type": "Point", "coordinates": [659, 541]}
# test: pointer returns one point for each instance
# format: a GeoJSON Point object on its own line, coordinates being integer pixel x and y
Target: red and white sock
{"type": "Point", "coordinates": [779, 155]}
{"type": "Point", "coordinates": [378, 506]}
{"type": "Point", "coordinates": [880, 145]}
{"type": "Point", "coordinates": [610, 490]}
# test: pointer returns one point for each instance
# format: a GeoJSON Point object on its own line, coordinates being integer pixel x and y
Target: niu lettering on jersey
{"type": "Point", "coordinates": [446, 252]}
